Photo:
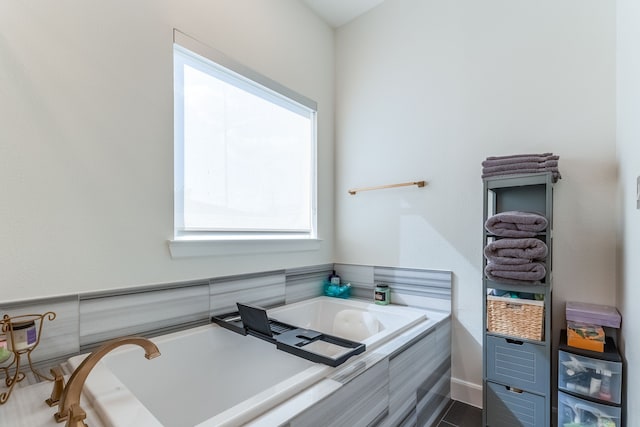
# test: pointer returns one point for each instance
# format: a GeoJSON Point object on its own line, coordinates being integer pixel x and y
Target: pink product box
{"type": "Point", "coordinates": [593, 314]}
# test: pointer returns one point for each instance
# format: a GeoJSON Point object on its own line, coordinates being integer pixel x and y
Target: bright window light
{"type": "Point", "coordinates": [245, 155]}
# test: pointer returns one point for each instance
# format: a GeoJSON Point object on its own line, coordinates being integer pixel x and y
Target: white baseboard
{"type": "Point", "coordinates": [464, 391]}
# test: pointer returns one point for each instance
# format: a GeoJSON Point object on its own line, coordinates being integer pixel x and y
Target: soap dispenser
{"type": "Point", "coordinates": [334, 279]}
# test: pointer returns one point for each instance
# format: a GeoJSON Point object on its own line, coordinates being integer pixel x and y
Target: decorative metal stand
{"type": "Point", "coordinates": [9, 325]}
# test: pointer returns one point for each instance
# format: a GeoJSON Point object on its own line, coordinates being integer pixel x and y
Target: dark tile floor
{"type": "Point", "coordinates": [460, 414]}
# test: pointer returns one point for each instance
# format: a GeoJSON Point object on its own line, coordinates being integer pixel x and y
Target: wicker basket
{"type": "Point", "coordinates": [521, 318]}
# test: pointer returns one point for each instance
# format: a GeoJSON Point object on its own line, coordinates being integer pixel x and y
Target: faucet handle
{"type": "Point", "coordinates": [76, 416]}
{"type": "Point", "coordinates": [58, 386]}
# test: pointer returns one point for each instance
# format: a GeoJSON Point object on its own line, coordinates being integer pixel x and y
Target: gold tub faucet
{"type": "Point", "coordinates": [69, 406]}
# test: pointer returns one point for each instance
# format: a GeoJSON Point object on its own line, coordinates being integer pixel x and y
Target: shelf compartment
{"type": "Point", "coordinates": [508, 406]}
{"type": "Point", "coordinates": [515, 317]}
{"type": "Point", "coordinates": [539, 288]}
{"type": "Point", "coordinates": [522, 199]}
{"type": "Point", "coordinates": [518, 363]}
{"type": "Point", "coordinates": [519, 180]}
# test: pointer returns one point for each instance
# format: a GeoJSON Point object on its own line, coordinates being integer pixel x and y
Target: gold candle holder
{"type": "Point", "coordinates": [23, 336]}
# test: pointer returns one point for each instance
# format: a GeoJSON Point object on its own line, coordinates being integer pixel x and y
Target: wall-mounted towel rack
{"type": "Point", "coordinates": [380, 187]}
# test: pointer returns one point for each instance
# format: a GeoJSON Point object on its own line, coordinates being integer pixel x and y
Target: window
{"type": "Point", "coordinates": [245, 151]}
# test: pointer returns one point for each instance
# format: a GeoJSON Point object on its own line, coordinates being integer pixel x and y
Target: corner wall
{"type": "Point", "coordinates": [86, 159]}
{"type": "Point", "coordinates": [426, 90]}
{"type": "Point", "coordinates": [628, 135]}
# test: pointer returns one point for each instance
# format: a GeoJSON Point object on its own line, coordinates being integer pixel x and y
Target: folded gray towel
{"type": "Point", "coordinates": [550, 165]}
{"type": "Point", "coordinates": [521, 164]}
{"type": "Point", "coordinates": [529, 273]}
{"type": "Point", "coordinates": [516, 224]}
{"type": "Point", "coordinates": [524, 158]}
{"type": "Point", "coordinates": [515, 251]}
{"type": "Point", "coordinates": [555, 175]}
{"type": "Point", "coordinates": [515, 156]}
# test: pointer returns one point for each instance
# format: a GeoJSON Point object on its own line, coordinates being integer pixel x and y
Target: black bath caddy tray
{"type": "Point", "coordinates": [252, 320]}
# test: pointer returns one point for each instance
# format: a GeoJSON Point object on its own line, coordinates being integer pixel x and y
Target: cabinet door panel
{"type": "Point", "coordinates": [520, 364]}
{"type": "Point", "coordinates": [507, 407]}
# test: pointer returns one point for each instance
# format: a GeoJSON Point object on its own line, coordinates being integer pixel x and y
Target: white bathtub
{"type": "Point", "coordinates": [356, 320]}
{"type": "Point", "coordinates": [209, 376]}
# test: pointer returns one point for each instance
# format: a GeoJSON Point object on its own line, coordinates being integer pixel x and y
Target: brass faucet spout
{"type": "Point", "coordinates": [152, 355]}
{"type": "Point", "coordinates": [71, 394]}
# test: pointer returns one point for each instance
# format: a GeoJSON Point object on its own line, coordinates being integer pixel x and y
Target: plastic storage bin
{"type": "Point", "coordinates": [575, 412]}
{"type": "Point", "coordinates": [588, 373]}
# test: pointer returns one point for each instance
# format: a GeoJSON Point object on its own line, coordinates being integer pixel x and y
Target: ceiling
{"type": "Point", "coordinates": [339, 12]}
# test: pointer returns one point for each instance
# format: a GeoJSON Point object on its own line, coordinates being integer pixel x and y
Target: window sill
{"type": "Point", "coordinates": [185, 248]}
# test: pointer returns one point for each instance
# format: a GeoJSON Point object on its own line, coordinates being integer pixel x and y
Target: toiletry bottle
{"type": "Point", "coordinates": [22, 335]}
{"type": "Point", "coordinates": [605, 386]}
{"type": "Point", "coordinates": [334, 279]}
{"type": "Point", "coordinates": [381, 294]}
{"type": "Point", "coordinates": [4, 351]}
{"type": "Point", "coordinates": [594, 386]}
{"type": "Point", "coordinates": [577, 388]}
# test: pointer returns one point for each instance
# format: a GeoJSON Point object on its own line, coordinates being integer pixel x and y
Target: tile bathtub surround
{"type": "Point", "coordinates": [261, 289]}
{"type": "Point", "coordinates": [104, 316]}
{"type": "Point", "coordinates": [358, 402]}
{"type": "Point", "coordinates": [409, 286]}
{"type": "Point", "coordinates": [420, 378]}
{"type": "Point", "coordinates": [61, 336]}
{"type": "Point", "coordinates": [413, 400]}
{"type": "Point", "coordinates": [360, 394]}
{"type": "Point", "coordinates": [405, 382]}
{"type": "Point", "coordinates": [267, 289]}
{"type": "Point", "coordinates": [304, 282]}
{"type": "Point", "coordinates": [26, 408]}
{"type": "Point", "coordinates": [88, 319]}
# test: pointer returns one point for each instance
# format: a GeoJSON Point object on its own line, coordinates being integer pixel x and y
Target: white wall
{"type": "Point", "coordinates": [426, 90]}
{"type": "Point", "coordinates": [628, 134]}
{"type": "Point", "coordinates": [86, 136]}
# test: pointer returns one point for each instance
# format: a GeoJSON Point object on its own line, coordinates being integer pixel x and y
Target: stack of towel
{"type": "Point", "coordinates": [521, 163]}
{"type": "Point", "coordinates": [516, 224]}
{"type": "Point", "coordinates": [518, 257]}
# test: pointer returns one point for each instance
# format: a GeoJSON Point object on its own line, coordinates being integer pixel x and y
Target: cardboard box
{"type": "Point", "coordinates": [587, 337]}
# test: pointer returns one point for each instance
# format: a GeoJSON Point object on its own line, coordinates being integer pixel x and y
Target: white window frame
{"type": "Point", "coordinates": [205, 243]}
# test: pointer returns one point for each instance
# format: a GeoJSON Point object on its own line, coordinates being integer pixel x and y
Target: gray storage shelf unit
{"type": "Point", "coordinates": [517, 388]}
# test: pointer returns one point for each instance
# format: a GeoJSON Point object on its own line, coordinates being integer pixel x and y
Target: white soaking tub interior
{"type": "Point", "coordinates": [352, 319]}
{"type": "Point", "coordinates": [210, 376]}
